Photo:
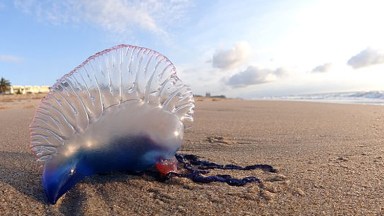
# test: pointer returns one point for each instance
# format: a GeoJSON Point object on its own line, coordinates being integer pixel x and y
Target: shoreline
{"type": "Point", "coordinates": [347, 102]}
{"type": "Point", "coordinates": [375, 102]}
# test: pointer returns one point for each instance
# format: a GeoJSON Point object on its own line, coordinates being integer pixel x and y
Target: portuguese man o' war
{"type": "Point", "coordinates": [123, 109]}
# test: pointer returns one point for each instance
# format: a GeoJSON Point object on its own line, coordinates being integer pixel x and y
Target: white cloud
{"type": "Point", "coordinates": [116, 16]}
{"type": "Point", "coordinates": [366, 58]}
{"type": "Point", "coordinates": [229, 59]}
{"type": "Point", "coordinates": [10, 58]}
{"type": "Point", "coordinates": [322, 68]}
{"type": "Point", "coordinates": [254, 75]}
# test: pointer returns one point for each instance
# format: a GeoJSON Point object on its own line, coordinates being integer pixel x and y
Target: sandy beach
{"type": "Point", "coordinates": [330, 161]}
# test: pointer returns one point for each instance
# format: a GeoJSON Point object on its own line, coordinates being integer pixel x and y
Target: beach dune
{"type": "Point", "coordinates": [329, 159]}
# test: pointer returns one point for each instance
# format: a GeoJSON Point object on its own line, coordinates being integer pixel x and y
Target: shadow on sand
{"type": "Point", "coordinates": [75, 200]}
{"type": "Point", "coordinates": [20, 171]}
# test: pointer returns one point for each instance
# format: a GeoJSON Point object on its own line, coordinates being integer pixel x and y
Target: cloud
{"type": "Point", "coordinates": [228, 59]}
{"type": "Point", "coordinates": [366, 58]}
{"type": "Point", "coordinates": [10, 58]}
{"type": "Point", "coordinates": [254, 75]}
{"type": "Point", "coordinates": [116, 16]}
{"type": "Point", "coordinates": [322, 68]}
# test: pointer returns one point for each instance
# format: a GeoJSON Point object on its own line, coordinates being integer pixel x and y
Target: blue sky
{"type": "Point", "coordinates": [238, 48]}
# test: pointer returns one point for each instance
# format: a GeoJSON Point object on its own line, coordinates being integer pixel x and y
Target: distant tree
{"type": "Point", "coordinates": [4, 85]}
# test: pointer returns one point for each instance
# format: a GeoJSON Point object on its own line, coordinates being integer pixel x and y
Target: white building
{"type": "Point", "coordinates": [18, 89]}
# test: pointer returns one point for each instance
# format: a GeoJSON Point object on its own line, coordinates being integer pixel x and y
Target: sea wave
{"type": "Point", "coordinates": [356, 97]}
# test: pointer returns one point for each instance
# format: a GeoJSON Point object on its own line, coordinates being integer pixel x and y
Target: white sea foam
{"type": "Point", "coordinates": [356, 97]}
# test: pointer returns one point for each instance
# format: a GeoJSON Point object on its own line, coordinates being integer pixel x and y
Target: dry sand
{"type": "Point", "coordinates": [329, 157]}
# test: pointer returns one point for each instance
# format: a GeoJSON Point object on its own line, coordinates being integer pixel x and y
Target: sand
{"type": "Point", "coordinates": [329, 159]}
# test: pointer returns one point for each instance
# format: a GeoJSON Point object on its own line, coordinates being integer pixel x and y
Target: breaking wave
{"type": "Point", "coordinates": [357, 97]}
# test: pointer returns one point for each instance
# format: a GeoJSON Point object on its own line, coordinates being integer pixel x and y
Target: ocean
{"type": "Point", "coordinates": [356, 97]}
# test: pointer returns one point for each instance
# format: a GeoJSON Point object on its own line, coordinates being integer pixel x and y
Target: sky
{"type": "Point", "coordinates": [246, 49]}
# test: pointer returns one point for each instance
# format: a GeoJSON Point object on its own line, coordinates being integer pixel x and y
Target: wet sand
{"type": "Point", "coordinates": [329, 159]}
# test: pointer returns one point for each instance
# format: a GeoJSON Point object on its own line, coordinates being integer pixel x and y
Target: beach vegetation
{"type": "Point", "coordinates": [5, 85]}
